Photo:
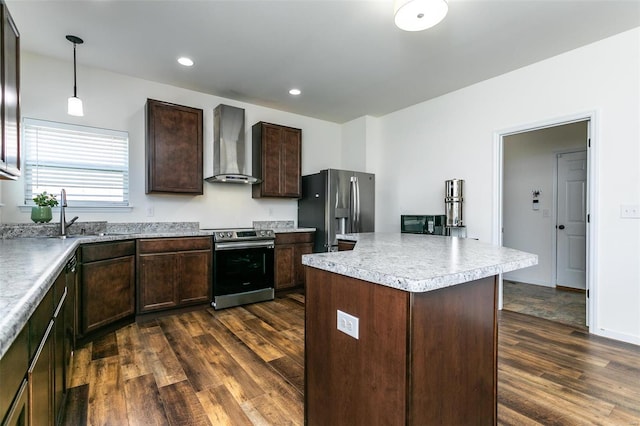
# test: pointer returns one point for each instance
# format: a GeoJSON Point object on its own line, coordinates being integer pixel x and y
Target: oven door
{"type": "Point", "coordinates": [241, 267]}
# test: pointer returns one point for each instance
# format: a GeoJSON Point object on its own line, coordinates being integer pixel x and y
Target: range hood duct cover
{"type": "Point", "coordinates": [229, 146]}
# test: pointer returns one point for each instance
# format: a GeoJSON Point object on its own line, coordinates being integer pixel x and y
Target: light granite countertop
{"type": "Point", "coordinates": [29, 266]}
{"type": "Point", "coordinates": [419, 263]}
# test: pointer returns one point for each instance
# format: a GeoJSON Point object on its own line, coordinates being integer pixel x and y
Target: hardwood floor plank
{"type": "Point", "coordinates": [262, 410]}
{"type": "Point", "coordinates": [105, 346]}
{"type": "Point", "coordinates": [222, 408]}
{"type": "Point", "coordinates": [133, 359]}
{"type": "Point", "coordinates": [268, 313]}
{"type": "Point", "coordinates": [277, 339]}
{"type": "Point", "coordinates": [290, 370]}
{"type": "Point", "coordinates": [197, 369]}
{"type": "Point", "coordinates": [77, 405]}
{"type": "Point", "coordinates": [144, 405]}
{"type": "Point", "coordinates": [191, 322]}
{"type": "Point", "coordinates": [162, 360]}
{"type": "Point", "coordinates": [106, 393]}
{"type": "Point", "coordinates": [182, 406]}
{"type": "Point", "coordinates": [509, 417]}
{"type": "Point", "coordinates": [81, 365]}
{"type": "Point", "coordinates": [235, 378]}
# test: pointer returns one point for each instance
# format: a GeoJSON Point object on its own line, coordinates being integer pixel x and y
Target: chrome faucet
{"type": "Point", "coordinates": [63, 223]}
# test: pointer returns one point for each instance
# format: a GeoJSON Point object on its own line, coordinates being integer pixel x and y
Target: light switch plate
{"type": "Point", "coordinates": [348, 324]}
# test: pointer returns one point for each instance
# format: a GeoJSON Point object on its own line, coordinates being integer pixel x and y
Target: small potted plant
{"type": "Point", "coordinates": [42, 212]}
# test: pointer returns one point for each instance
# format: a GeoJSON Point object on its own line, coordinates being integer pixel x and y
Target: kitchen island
{"type": "Point", "coordinates": [423, 312]}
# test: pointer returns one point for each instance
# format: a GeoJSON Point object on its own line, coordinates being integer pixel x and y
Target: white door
{"type": "Point", "coordinates": [571, 260]}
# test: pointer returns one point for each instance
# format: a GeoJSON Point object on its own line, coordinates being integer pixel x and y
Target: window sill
{"type": "Point", "coordinates": [85, 209]}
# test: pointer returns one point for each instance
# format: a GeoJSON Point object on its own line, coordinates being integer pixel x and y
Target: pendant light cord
{"type": "Point", "coordinates": [74, 71]}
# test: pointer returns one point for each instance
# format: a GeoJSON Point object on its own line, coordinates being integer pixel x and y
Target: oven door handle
{"type": "Point", "coordinates": [243, 245]}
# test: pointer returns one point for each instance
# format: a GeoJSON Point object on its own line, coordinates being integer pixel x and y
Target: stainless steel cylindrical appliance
{"type": "Point", "coordinates": [453, 202]}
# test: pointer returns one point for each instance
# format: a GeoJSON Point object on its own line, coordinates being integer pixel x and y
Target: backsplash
{"type": "Point", "coordinates": [272, 224]}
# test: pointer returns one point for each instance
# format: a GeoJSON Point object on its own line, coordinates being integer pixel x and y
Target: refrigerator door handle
{"type": "Point", "coordinates": [354, 205]}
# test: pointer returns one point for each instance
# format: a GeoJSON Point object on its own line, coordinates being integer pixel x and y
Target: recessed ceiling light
{"type": "Point", "coordinates": [294, 92]}
{"type": "Point", "coordinates": [187, 62]}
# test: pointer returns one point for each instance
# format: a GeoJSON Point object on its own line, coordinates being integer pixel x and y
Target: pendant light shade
{"type": "Point", "coordinates": [74, 106]}
{"type": "Point", "coordinates": [74, 103]}
{"type": "Point", "coordinates": [418, 15]}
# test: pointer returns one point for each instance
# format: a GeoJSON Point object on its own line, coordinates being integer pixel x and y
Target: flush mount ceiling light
{"type": "Point", "coordinates": [418, 15]}
{"type": "Point", "coordinates": [74, 103]}
{"type": "Point", "coordinates": [187, 62]}
{"type": "Point", "coordinates": [294, 92]}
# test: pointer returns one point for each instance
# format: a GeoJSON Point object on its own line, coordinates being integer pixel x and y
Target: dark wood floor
{"type": "Point", "coordinates": [244, 366]}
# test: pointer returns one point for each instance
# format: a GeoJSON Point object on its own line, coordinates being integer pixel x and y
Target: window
{"type": "Point", "coordinates": [91, 164]}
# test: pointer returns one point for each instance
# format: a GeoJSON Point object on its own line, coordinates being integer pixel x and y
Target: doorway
{"type": "Point", "coordinates": [543, 208]}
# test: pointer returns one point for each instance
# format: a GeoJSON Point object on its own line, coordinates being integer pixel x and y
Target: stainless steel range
{"type": "Point", "coordinates": [242, 266]}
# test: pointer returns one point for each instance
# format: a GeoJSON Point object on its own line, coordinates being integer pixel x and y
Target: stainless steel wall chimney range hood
{"type": "Point", "coordinates": [229, 146]}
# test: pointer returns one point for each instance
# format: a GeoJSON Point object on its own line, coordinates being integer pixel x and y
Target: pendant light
{"type": "Point", "coordinates": [74, 104]}
{"type": "Point", "coordinates": [418, 15]}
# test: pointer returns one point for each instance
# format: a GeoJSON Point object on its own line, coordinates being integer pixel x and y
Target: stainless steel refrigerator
{"type": "Point", "coordinates": [336, 202]}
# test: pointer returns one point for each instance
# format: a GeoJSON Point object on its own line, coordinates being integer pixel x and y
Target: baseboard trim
{"type": "Point", "coordinates": [575, 290]}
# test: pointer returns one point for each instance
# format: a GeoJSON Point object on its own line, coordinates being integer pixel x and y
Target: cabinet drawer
{"type": "Point", "coordinates": [13, 367]}
{"type": "Point", "coordinates": [161, 245]}
{"type": "Point", "coordinates": [39, 321]}
{"type": "Point", "coordinates": [101, 251]}
{"type": "Point", "coordinates": [294, 237]}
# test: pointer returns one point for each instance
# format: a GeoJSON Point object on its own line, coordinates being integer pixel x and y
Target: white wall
{"type": "Point", "coordinates": [116, 101]}
{"type": "Point", "coordinates": [529, 164]}
{"type": "Point", "coordinates": [453, 136]}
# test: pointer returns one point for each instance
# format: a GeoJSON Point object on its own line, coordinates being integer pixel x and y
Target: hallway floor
{"type": "Point", "coordinates": [564, 306]}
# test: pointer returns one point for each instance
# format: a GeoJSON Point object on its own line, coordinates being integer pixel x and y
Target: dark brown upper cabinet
{"type": "Point", "coordinates": [277, 158]}
{"type": "Point", "coordinates": [10, 94]}
{"type": "Point", "coordinates": [173, 148]}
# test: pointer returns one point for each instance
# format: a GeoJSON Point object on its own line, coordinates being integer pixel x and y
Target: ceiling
{"type": "Point", "coordinates": [346, 56]}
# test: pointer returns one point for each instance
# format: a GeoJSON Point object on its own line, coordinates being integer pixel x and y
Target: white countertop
{"type": "Point", "coordinates": [419, 263]}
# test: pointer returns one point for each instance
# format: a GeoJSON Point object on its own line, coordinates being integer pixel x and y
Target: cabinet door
{"type": "Point", "coordinates": [290, 157]}
{"type": "Point", "coordinates": [276, 160]}
{"type": "Point", "coordinates": [284, 260]}
{"type": "Point", "coordinates": [40, 379]}
{"type": "Point", "coordinates": [173, 148]}
{"type": "Point", "coordinates": [194, 277]}
{"type": "Point", "coordinates": [10, 152]}
{"type": "Point", "coordinates": [271, 136]}
{"type": "Point", "coordinates": [301, 249]}
{"type": "Point", "coordinates": [157, 282]}
{"type": "Point", "coordinates": [59, 361]}
{"type": "Point", "coordinates": [107, 292]}
{"type": "Point", "coordinates": [13, 368]}
{"type": "Point", "coordinates": [19, 414]}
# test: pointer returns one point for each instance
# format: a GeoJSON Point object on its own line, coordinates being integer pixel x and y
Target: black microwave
{"type": "Point", "coordinates": [423, 224]}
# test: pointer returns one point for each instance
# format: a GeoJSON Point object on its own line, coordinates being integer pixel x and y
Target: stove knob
{"type": "Point", "coordinates": [229, 234]}
{"type": "Point", "coordinates": [262, 233]}
{"type": "Point", "coordinates": [221, 234]}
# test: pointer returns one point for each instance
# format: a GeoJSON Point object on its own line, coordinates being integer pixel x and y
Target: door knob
{"type": "Point", "coordinates": [561, 227]}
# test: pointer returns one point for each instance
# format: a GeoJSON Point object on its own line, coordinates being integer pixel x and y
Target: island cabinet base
{"type": "Point", "coordinates": [420, 358]}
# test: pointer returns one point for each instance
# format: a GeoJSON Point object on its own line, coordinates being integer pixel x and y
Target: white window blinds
{"type": "Point", "coordinates": [91, 164]}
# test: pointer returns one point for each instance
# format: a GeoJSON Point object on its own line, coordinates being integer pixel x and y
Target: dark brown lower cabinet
{"type": "Point", "coordinates": [18, 414]}
{"type": "Point", "coordinates": [289, 248]}
{"type": "Point", "coordinates": [13, 369]}
{"type": "Point", "coordinates": [425, 358]}
{"type": "Point", "coordinates": [34, 370]}
{"type": "Point", "coordinates": [40, 377]}
{"type": "Point", "coordinates": [107, 284]}
{"type": "Point", "coordinates": [173, 273]}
